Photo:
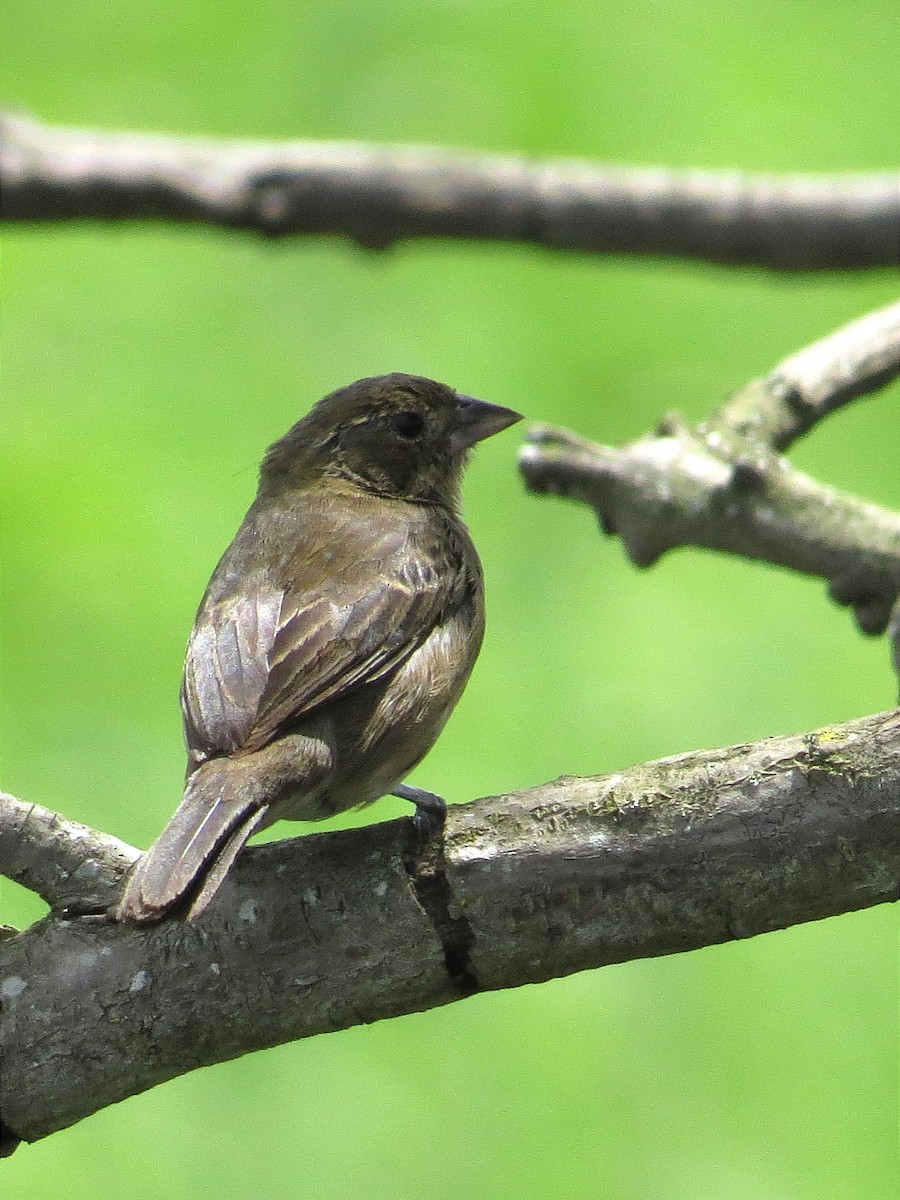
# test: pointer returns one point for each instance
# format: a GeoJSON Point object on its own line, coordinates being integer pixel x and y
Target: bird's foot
{"type": "Point", "coordinates": [431, 810]}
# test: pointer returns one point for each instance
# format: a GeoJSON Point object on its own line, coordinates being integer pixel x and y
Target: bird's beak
{"type": "Point", "coordinates": [476, 419]}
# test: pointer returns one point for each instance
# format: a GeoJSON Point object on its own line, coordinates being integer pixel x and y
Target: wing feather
{"type": "Point", "coordinates": [263, 654]}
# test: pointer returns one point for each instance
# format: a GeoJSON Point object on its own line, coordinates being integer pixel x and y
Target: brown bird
{"type": "Point", "coordinates": [336, 634]}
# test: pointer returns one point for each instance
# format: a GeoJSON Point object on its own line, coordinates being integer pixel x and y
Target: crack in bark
{"type": "Point", "coordinates": [425, 862]}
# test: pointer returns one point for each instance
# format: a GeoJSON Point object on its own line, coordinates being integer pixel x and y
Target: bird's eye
{"type": "Point", "coordinates": [408, 424]}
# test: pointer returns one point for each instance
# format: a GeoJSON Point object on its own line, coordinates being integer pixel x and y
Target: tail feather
{"type": "Point", "coordinates": [222, 863]}
{"type": "Point", "coordinates": [191, 857]}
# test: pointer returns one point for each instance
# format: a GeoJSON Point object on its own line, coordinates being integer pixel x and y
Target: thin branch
{"type": "Point", "coordinates": [63, 861]}
{"type": "Point", "coordinates": [323, 932]}
{"type": "Point", "coordinates": [722, 485]}
{"type": "Point", "coordinates": [854, 361]}
{"type": "Point", "coordinates": [381, 195]}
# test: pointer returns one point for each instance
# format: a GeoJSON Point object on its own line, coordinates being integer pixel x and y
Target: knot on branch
{"type": "Point", "coordinates": [664, 490]}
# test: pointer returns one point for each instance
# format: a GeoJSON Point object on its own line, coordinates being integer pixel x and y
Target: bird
{"type": "Point", "coordinates": [336, 635]}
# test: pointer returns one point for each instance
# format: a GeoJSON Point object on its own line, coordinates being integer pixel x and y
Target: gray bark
{"type": "Point", "coordinates": [382, 195]}
{"type": "Point", "coordinates": [725, 486]}
{"type": "Point", "coordinates": [323, 932]}
{"type": "Point", "coordinates": [327, 931]}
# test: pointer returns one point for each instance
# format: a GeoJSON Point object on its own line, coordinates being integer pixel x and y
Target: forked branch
{"type": "Point", "coordinates": [724, 484]}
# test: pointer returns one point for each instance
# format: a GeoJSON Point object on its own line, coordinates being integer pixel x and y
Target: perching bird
{"type": "Point", "coordinates": [336, 634]}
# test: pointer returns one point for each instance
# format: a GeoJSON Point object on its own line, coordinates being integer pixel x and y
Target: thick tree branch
{"type": "Point", "coordinates": [322, 932]}
{"type": "Point", "coordinates": [380, 195]}
{"type": "Point", "coordinates": [723, 484]}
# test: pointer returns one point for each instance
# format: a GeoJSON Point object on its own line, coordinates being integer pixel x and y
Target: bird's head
{"type": "Point", "coordinates": [395, 435]}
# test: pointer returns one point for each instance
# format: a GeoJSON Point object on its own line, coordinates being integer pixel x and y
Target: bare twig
{"type": "Point", "coordinates": [64, 862]}
{"type": "Point", "coordinates": [854, 361]}
{"type": "Point", "coordinates": [723, 485]}
{"type": "Point", "coordinates": [322, 932]}
{"type": "Point", "coordinates": [380, 195]}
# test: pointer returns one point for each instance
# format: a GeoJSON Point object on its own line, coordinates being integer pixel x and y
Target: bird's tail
{"type": "Point", "coordinates": [188, 861]}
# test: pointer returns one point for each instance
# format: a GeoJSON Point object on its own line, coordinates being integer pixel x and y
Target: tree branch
{"type": "Point", "coordinates": [723, 485]}
{"type": "Point", "coordinates": [63, 861]}
{"type": "Point", "coordinates": [854, 361]}
{"type": "Point", "coordinates": [326, 931]}
{"type": "Point", "coordinates": [323, 932]}
{"type": "Point", "coordinates": [380, 195]}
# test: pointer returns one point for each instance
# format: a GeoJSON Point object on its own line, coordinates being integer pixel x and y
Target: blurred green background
{"type": "Point", "coordinates": [144, 371]}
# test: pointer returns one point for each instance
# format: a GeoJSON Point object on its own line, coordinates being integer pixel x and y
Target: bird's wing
{"type": "Point", "coordinates": [265, 655]}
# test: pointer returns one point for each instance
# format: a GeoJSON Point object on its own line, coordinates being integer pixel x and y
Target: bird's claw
{"type": "Point", "coordinates": [431, 809]}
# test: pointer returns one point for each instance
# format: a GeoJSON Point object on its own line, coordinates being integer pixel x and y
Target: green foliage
{"type": "Point", "coordinates": [144, 371]}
